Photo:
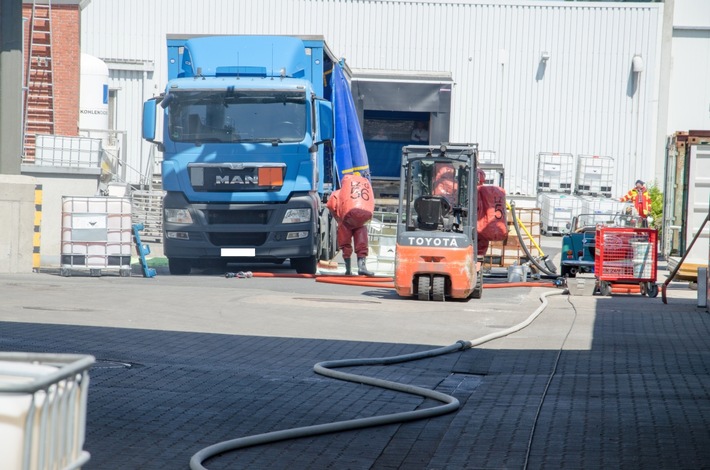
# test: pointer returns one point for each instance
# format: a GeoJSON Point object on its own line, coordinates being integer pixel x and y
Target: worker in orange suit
{"type": "Point", "coordinates": [483, 243]}
{"type": "Point", "coordinates": [350, 231]}
{"type": "Point", "coordinates": [641, 200]}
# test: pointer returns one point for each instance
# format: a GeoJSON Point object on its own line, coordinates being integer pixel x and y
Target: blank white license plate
{"type": "Point", "coordinates": [230, 252]}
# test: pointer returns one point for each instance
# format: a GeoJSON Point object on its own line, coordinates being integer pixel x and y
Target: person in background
{"type": "Point", "coordinates": [420, 133]}
{"type": "Point", "coordinates": [641, 200]}
{"type": "Point", "coordinates": [380, 135]}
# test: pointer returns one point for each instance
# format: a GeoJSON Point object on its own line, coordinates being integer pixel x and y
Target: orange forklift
{"type": "Point", "coordinates": [436, 237]}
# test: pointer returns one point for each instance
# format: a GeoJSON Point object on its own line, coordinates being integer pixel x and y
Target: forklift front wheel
{"type": "Point", "coordinates": [478, 289]}
{"type": "Point", "coordinates": [424, 288]}
{"type": "Point", "coordinates": [438, 289]}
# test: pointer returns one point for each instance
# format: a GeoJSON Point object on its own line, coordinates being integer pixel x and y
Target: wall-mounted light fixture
{"type": "Point", "coordinates": [637, 64]}
{"type": "Point", "coordinates": [544, 56]}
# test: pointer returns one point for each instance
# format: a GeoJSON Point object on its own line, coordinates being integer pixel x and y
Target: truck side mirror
{"type": "Point", "coordinates": [149, 116]}
{"type": "Point", "coordinates": [325, 121]}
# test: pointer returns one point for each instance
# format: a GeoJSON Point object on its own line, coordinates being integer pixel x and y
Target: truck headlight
{"type": "Point", "coordinates": [178, 216]}
{"type": "Point", "coordinates": [295, 216]}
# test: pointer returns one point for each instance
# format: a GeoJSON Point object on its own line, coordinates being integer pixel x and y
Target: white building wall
{"type": "Point", "coordinates": [584, 100]}
{"type": "Point", "coordinates": [689, 96]}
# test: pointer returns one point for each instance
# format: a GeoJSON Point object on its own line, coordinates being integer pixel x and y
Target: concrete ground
{"type": "Point", "coordinates": [184, 362]}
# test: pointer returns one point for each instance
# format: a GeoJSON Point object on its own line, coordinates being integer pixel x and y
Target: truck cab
{"type": "Point", "coordinates": [247, 126]}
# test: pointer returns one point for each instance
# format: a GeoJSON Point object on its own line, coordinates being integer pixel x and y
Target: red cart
{"type": "Point", "coordinates": [626, 257]}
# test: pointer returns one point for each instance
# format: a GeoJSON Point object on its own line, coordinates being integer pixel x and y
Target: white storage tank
{"type": "Point", "coordinates": [93, 95]}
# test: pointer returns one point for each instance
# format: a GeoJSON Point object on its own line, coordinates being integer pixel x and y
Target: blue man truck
{"type": "Point", "coordinates": [248, 153]}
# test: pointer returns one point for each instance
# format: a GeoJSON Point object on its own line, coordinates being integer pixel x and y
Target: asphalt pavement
{"type": "Point", "coordinates": [185, 362]}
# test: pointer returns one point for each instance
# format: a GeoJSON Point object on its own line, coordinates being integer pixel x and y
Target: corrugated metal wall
{"type": "Point", "coordinates": [585, 99]}
{"type": "Point", "coordinates": [689, 98]}
{"type": "Point", "coordinates": [129, 85]}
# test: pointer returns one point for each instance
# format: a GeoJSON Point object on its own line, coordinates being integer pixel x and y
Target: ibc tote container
{"type": "Point", "coordinates": [382, 239]}
{"type": "Point", "coordinates": [493, 176]}
{"type": "Point", "coordinates": [555, 172]}
{"type": "Point", "coordinates": [602, 205]}
{"type": "Point", "coordinates": [43, 401]}
{"type": "Point", "coordinates": [594, 175]}
{"type": "Point", "coordinates": [557, 210]}
{"type": "Point", "coordinates": [96, 235]}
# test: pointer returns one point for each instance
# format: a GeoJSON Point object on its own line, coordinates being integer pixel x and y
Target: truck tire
{"type": "Point", "coordinates": [330, 246]}
{"type": "Point", "coordinates": [305, 265]}
{"type": "Point", "coordinates": [179, 266]}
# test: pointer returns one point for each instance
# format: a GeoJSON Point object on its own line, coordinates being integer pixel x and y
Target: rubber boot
{"type": "Point", "coordinates": [348, 270]}
{"type": "Point", "coordinates": [362, 268]}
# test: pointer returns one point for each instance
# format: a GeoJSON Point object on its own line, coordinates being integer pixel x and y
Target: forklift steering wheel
{"type": "Point", "coordinates": [445, 205]}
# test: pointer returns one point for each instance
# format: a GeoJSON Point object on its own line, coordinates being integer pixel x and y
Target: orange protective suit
{"type": "Point", "coordinates": [352, 206]}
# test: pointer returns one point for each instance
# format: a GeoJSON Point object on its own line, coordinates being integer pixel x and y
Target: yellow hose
{"type": "Point", "coordinates": [525, 229]}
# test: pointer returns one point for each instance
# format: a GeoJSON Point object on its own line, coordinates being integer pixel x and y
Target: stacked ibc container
{"type": "Point", "coordinates": [594, 176]}
{"type": "Point", "coordinates": [557, 204]}
{"type": "Point", "coordinates": [557, 211]}
{"type": "Point", "coordinates": [555, 172]}
{"type": "Point", "coordinates": [602, 205]}
{"type": "Point", "coordinates": [593, 183]}
{"type": "Point", "coordinates": [493, 170]}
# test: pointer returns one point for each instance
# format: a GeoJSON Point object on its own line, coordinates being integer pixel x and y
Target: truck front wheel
{"type": "Point", "coordinates": [305, 265]}
{"type": "Point", "coordinates": [179, 266]}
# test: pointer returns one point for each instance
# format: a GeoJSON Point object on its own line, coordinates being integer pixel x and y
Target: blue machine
{"type": "Point", "coordinates": [254, 131]}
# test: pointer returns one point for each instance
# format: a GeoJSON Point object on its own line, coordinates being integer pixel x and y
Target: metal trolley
{"type": "Point", "coordinates": [626, 255]}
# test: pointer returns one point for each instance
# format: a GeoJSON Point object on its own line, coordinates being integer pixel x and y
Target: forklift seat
{"type": "Point", "coordinates": [430, 211]}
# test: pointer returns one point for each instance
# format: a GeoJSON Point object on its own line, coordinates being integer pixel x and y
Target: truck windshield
{"type": "Point", "coordinates": [237, 116]}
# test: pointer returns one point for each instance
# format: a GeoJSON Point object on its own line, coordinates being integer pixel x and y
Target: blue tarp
{"type": "Point", "coordinates": [350, 153]}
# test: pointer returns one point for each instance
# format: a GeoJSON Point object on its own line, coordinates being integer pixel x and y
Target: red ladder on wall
{"type": "Point", "coordinates": [39, 78]}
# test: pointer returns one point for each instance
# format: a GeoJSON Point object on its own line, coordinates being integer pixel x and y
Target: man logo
{"type": "Point", "coordinates": [236, 180]}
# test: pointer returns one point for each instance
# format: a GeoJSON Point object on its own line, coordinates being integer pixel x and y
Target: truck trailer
{"type": "Point", "coordinates": [248, 126]}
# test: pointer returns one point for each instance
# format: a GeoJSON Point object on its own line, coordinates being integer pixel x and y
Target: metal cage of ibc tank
{"type": "Point", "coordinates": [494, 171]}
{"type": "Point", "coordinates": [557, 211]}
{"type": "Point", "coordinates": [43, 400]}
{"type": "Point", "coordinates": [555, 172]}
{"type": "Point", "coordinates": [594, 175]}
{"type": "Point", "coordinates": [626, 256]}
{"type": "Point", "coordinates": [96, 235]}
{"type": "Point", "coordinates": [382, 241]}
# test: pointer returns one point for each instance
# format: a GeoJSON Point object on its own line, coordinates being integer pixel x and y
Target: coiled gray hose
{"type": "Point", "coordinates": [324, 368]}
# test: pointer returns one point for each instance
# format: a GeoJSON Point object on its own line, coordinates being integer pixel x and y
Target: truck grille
{"type": "Point", "coordinates": [251, 217]}
{"type": "Point", "coordinates": [238, 239]}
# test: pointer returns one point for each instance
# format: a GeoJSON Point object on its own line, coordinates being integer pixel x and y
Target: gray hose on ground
{"type": "Point", "coordinates": [323, 368]}
{"type": "Point", "coordinates": [542, 268]}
